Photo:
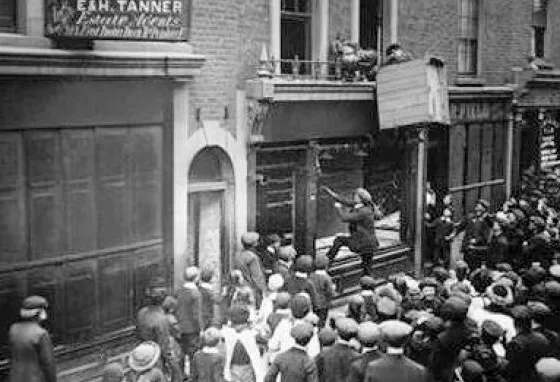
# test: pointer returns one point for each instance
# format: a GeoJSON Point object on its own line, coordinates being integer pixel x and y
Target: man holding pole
{"type": "Point", "coordinates": [360, 215]}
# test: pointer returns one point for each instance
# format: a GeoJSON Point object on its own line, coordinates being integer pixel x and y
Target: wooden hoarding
{"type": "Point", "coordinates": [156, 20]}
{"type": "Point", "coordinates": [413, 92]}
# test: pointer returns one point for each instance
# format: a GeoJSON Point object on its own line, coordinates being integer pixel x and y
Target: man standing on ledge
{"type": "Point", "coordinates": [360, 216]}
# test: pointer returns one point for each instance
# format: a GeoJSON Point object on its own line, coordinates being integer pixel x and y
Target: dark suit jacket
{"type": "Point", "coordinates": [538, 248]}
{"type": "Point", "coordinates": [295, 285]}
{"type": "Point", "coordinates": [333, 363]}
{"type": "Point", "coordinates": [477, 229]}
{"type": "Point", "coordinates": [361, 222]}
{"type": "Point", "coordinates": [393, 368]}
{"type": "Point", "coordinates": [207, 367]}
{"type": "Point", "coordinates": [32, 353]}
{"type": "Point", "coordinates": [359, 366]}
{"type": "Point", "coordinates": [189, 310]}
{"type": "Point", "coordinates": [249, 264]}
{"type": "Point", "coordinates": [294, 365]}
{"type": "Point", "coordinates": [446, 351]}
{"type": "Point", "coordinates": [522, 353]}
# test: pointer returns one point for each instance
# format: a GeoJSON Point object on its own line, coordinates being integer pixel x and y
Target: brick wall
{"type": "Point", "coordinates": [230, 34]}
{"type": "Point", "coordinates": [432, 27]}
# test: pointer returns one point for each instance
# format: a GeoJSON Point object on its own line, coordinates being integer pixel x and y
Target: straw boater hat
{"type": "Point", "coordinates": [144, 356]}
{"type": "Point", "coordinates": [32, 306]}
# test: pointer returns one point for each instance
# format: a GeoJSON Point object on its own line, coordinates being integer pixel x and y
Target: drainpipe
{"type": "Point", "coordinates": [420, 199]}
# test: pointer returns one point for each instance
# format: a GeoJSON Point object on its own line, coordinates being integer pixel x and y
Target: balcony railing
{"type": "Point", "coordinates": [314, 70]}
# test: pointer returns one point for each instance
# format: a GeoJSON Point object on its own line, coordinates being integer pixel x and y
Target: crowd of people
{"type": "Point", "coordinates": [490, 317]}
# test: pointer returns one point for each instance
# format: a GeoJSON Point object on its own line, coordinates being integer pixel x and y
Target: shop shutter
{"type": "Point", "coordinates": [115, 291]}
{"type": "Point", "coordinates": [44, 190]}
{"type": "Point", "coordinates": [146, 182]}
{"type": "Point", "coordinates": [113, 196]}
{"type": "Point", "coordinates": [78, 167]}
{"type": "Point", "coordinates": [12, 199]}
{"type": "Point", "coordinates": [81, 300]}
{"type": "Point", "coordinates": [148, 263]}
{"type": "Point", "coordinates": [8, 15]}
{"type": "Point", "coordinates": [473, 149]}
{"type": "Point", "coordinates": [11, 296]}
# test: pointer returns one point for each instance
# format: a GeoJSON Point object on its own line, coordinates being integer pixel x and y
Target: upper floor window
{"type": "Point", "coordinates": [7, 15]}
{"type": "Point", "coordinates": [295, 36]}
{"type": "Point", "coordinates": [368, 23]}
{"type": "Point", "coordinates": [468, 41]}
{"type": "Point", "coordinates": [539, 27]}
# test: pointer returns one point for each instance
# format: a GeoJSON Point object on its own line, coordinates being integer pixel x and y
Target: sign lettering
{"type": "Point", "coordinates": [477, 111]}
{"type": "Point", "coordinates": [549, 142]}
{"type": "Point", "coordinates": [163, 20]}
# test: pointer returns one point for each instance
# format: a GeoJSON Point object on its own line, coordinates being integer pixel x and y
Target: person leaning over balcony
{"type": "Point", "coordinates": [31, 345]}
{"type": "Point", "coordinates": [360, 215]}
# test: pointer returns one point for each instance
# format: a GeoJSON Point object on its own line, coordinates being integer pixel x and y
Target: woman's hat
{"type": "Point", "coordinates": [500, 295]}
{"type": "Point", "coordinates": [144, 356]}
{"type": "Point", "coordinates": [32, 306]}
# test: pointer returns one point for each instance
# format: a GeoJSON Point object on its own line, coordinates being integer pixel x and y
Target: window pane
{"type": "Point", "coordinates": [7, 16]}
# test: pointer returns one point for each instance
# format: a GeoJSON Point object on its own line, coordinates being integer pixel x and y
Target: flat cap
{"type": "Point", "coordinates": [321, 262]}
{"type": "Point", "coordinates": [287, 253]}
{"type": "Point", "coordinates": [471, 371]}
{"type": "Point", "coordinates": [553, 288]}
{"type": "Point", "coordinates": [346, 326]}
{"type": "Point", "coordinates": [555, 271]}
{"type": "Point", "coordinates": [302, 331]}
{"type": "Point", "coordinates": [504, 267]}
{"type": "Point", "coordinates": [521, 312]}
{"type": "Point", "coordinates": [35, 302]}
{"type": "Point", "coordinates": [327, 336]}
{"type": "Point", "coordinates": [211, 336]}
{"type": "Point", "coordinates": [239, 314]}
{"type": "Point", "coordinates": [369, 333]}
{"type": "Point", "coordinates": [191, 273]}
{"type": "Point", "coordinates": [304, 264]}
{"type": "Point", "coordinates": [250, 238]}
{"type": "Point", "coordinates": [538, 309]}
{"type": "Point", "coordinates": [492, 328]}
{"type": "Point", "coordinates": [433, 325]}
{"type": "Point", "coordinates": [367, 282]}
{"type": "Point", "coordinates": [386, 307]}
{"type": "Point", "coordinates": [548, 368]}
{"type": "Point", "coordinates": [484, 203]}
{"type": "Point", "coordinates": [454, 308]}
{"type": "Point", "coordinates": [113, 372]}
{"type": "Point", "coordinates": [283, 300]}
{"type": "Point", "coordinates": [300, 306]}
{"type": "Point", "coordinates": [395, 332]}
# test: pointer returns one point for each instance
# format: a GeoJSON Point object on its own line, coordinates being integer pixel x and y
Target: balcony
{"type": "Point", "coordinates": [308, 81]}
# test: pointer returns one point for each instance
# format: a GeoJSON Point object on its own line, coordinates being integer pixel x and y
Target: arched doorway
{"type": "Point", "coordinates": [211, 212]}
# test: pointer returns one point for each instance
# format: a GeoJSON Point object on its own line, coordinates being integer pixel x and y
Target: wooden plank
{"type": "Point", "coordinates": [457, 143]}
{"type": "Point", "coordinates": [81, 300]}
{"type": "Point", "coordinates": [487, 159]}
{"type": "Point", "coordinates": [47, 282]}
{"type": "Point", "coordinates": [115, 291]}
{"type": "Point", "coordinates": [473, 164]}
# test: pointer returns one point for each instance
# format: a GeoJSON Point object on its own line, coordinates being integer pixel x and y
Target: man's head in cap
{"type": "Point", "coordinates": [113, 372]}
{"type": "Point", "coordinates": [321, 262]}
{"type": "Point", "coordinates": [250, 240]}
{"type": "Point", "coordinates": [540, 311]}
{"type": "Point", "coordinates": [239, 314]}
{"type": "Point", "coordinates": [491, 331]}
{"type": "Point", "coordinates": [287, 253]}
{"type": "Point", "coordinates": [34, 307]}
{"type": "Point", "coordinates": [362, 196]}
{"type": "Point", "coordinates": [191, 274]}
{"type": "Point", "coordinates": [454, 309]}
{"type": "Point", "coordinates": [395, 333]}
{"type": "Point", "coordinates": [211, 337]}
{"type": "Point", "coordinates": [548, 369]}
{"type": "Point", "coordinates": [522, 318]}
{"type": "Point", "coordinates": [327, 337]}
{"type": "Point", "coordinates": [282, 300]}
{"type": "Point", "coordinates": [369, 334]}
{"type": "Point", "coordinates": [554, 272]}
{"type": "Point", "coordinates": [386, 308]}
{"type": "Point", "coordinates": [472, 371]}
{"type": "Point", "coordinates": [552, 289]}
{"type": "Point", "coordinates": [304, 264]}
{"type": "Point", "coordinates": [481, 207]}
{"type": "Point", "coordinates": [302, 333]}
{"type": "Point", "coordinates": [300, 306]}
{"type": "Point", "coordinates": [346, 328]}
{"type": "Point", "coordinates": [441, 274]}
{"type": "Point", "coordinates": [367, 283]}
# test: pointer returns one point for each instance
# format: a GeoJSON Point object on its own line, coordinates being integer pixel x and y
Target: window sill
{"type": "Point", "coordinates": [465, 80]}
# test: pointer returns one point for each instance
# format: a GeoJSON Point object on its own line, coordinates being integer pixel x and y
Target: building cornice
{"type": "Point", "coordinates": [23, 61]}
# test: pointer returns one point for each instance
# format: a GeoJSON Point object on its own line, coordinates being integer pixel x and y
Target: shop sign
{"type": "Point", "coordinates": [156, 20]}
{"type": "Point", "coordinates": [477, 111]}
{"type": "Point", "coordinates": [548, 148]}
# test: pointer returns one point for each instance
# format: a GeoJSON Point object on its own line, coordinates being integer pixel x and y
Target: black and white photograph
{"type": "Point", "coordinates": [279, 191]}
